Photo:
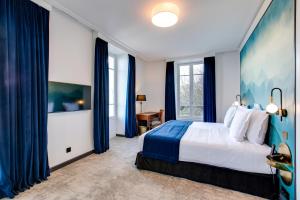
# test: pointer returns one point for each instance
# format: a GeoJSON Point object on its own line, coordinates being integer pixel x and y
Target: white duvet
{"type": "Point", "coordinates": [210, 143]}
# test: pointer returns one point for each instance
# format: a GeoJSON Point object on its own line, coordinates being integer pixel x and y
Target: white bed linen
{"type": "Point", "coordinates": [210, 143]}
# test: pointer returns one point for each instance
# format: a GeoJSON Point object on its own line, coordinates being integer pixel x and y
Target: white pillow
{"type": "Point", "coordinates": [229, 115]}
{"type": "Point", "coordinates": [258, 126]}
{"type": "Point", "coordinates": [240, 124]}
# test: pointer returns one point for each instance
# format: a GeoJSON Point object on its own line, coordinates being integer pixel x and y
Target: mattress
{"type": "Point", "coordinates": [210, 143]}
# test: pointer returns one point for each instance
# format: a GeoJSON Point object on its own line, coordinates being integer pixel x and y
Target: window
{"type": "Point", "coordinates": [112, 67]}
{"type": "Point", "coordinates": [190, 91]}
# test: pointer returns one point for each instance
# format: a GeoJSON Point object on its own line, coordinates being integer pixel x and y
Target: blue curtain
{"type": "Point", "coordinates": [170, 104]}
{"type": "Point", "coordinates": [130, 115]}
{"type": "Point", "coordinates": [101, 95]}
{"type": "Point", "coordinates": [209, 85]}
{"type": "Point", "coordinates": [24, 50]}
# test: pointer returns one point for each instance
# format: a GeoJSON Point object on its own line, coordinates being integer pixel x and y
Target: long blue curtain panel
{"type": "Point", "coordinates": [170, 102]}
{"type": "Point", "coordinates": [101, 97]}
{"type": "Point", "coordinates": [130, 114]}
{"type": "Point", "coordinates": [209, 85]}
{"type": "Point", "coordinates": [24, 55]}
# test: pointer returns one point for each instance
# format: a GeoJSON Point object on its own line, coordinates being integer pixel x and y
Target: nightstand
{"type": "Point", "coordinates": [148, 117]}
{"type": "Point", "coordinates": [283, 162]}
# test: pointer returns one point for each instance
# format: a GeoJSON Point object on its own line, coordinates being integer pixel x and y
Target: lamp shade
{"type": "Point", "coordinates": [141, 97]}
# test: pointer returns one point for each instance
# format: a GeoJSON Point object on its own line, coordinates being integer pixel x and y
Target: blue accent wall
{"type": "Point", "coordinates": [268, 61]}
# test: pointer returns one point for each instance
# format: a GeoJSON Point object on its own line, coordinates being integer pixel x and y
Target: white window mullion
{"type": "Point", "coordinates": [112, 96]}
{"type": "Point", "coordinates": [191, 91]}
{"type": "Point", "coordinates": [178, 91]}
{"type": "Point", "coordinates": [115, 88]}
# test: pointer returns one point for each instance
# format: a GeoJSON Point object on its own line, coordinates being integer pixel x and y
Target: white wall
{"type": "Point", "coordinates": [227, 81]}
{"type": "Point", "coordinates": [70, 61]}
{"type": "Point", "coordinates": [140, 79]}
{"type": "Point", "coordinates": [154, 86]}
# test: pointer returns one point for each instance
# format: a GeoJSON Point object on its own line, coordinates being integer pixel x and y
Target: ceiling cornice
{"type": "Point", "coordinates": [94, 28]}
{"type": "Point", "coordinates": [43, 4]}
{"type": "Point", "coordinates": [119, 44]}
{"type": "Point", "coordinates": [201, 55]}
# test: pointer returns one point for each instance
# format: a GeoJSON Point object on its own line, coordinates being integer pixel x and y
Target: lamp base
{"type": "Point", "coordinates": [282, 113]}
{"type": "Point", "coordinates": [141, 106]}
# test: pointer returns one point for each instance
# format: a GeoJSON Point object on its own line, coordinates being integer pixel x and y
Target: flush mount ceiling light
{"type": "Point", "coordinates": [165, 14]}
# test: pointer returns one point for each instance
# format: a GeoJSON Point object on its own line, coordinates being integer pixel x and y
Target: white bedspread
{"type": "Point", "coordinates": [209, 143]}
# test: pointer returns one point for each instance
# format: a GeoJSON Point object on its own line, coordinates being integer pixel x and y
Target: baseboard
{"type": "Point", "coordinates": [52, 169]}
{"type": "Point", "coordinates": [120, 135]}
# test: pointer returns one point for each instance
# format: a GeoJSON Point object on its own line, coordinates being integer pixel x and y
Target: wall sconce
{"type": "Point", "coordinates": [80, 102]}
{"type": "Point", "coordinates": [237, 100]}
{"type": "Point", "coordinates": [272, 108]}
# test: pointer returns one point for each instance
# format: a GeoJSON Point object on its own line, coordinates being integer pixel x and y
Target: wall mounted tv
{"type": "Point", "coordinates": [66, 97]}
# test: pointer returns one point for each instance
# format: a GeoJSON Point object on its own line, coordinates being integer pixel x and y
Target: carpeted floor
{"type": "Point", "coordinates": [113, 176]}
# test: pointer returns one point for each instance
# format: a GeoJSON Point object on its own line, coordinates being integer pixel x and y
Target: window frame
{"type": "Point", "coordinates": [191, 116]}
{"type": "Point", "coordinates": [115, 57]}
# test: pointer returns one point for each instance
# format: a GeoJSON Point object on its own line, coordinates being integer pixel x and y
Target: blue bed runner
{"type": "Point", "coordinates": [163, 142]}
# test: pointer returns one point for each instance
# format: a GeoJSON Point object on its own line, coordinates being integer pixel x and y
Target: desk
{"type": "Point", "coordinates": [148, 117]}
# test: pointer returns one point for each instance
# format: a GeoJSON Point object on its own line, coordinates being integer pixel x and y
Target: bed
{"type": "Point", "coordinates": [207, 154]}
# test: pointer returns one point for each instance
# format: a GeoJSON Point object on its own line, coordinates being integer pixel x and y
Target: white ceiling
{"type": "Point", "coordinates": [204, 25]}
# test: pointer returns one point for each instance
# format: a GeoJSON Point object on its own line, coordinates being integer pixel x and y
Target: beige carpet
{"type": "Point", "coordinates": [113, 176]}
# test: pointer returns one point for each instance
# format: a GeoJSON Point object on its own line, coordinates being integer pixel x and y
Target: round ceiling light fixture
{"type": "Point", "coordinates": [165, 14]}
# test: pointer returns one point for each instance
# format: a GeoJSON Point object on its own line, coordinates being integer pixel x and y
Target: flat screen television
{"type": "Point", "coordinates": [66, 97]}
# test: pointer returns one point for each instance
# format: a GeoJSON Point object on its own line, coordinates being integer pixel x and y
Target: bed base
{"type": "Point", "coordinates": [262, 185]}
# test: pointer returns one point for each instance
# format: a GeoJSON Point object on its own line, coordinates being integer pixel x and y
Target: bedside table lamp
{"type": "Point", "coordinates": [272, 108]}
{"type": "Point", "coordinates": [141, 98]}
